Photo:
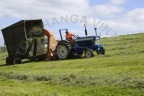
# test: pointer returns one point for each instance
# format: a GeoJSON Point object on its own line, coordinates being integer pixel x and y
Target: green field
{"type": "Point", "coordinates": [120, 72]}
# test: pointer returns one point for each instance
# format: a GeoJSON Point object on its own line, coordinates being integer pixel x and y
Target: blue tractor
{"type": "Point", "coordinates": [80, 45]}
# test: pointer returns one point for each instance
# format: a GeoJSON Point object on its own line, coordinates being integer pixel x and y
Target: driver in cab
{"type": "Point", "coordinates": [69, 36]}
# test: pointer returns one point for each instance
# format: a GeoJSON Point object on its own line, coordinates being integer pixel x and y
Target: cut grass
{"type": "Point", "coordinates": [22, 88]}
{"type": "Point", "coordinates": [119, 72]}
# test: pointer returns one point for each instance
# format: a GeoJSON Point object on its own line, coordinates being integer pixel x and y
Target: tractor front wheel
{"type": "Point", "coordinates": [101, 51]}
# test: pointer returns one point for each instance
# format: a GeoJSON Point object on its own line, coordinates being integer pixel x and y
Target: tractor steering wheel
{"type": "Point", "coordinates": [75, 37]}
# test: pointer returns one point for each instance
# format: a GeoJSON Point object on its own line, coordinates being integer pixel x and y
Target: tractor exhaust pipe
{"type": "Point", "coordinates": [95, 31]}
{"type": "Point", "coordinates": [85, 30]}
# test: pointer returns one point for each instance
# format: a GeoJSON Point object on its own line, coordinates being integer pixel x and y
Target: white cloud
{"type": "Point", "coordinates": [136, 15]}
{"type": "Point", "coordinates": [1, 39]}
{"type": "Point", "coordinates": [110, 9]}
{"type": "Point", "coordinates": [132, 22]}
{"type": "Point", "coordinates": [43, 8]}
{"type": "Point", "coordinates": [107, 10]}
{"type": "Point", "coordinates": [117, 2]}
{"type": "Point", "coordinates": [31, 9]}
{"type": "Point", "coordinates": [129, 23]}
{"type": "Point", "coordinates": [53, 8]}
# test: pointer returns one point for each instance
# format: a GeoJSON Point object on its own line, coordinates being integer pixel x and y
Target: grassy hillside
{"type": "Point", "coordinates": [120, 72]}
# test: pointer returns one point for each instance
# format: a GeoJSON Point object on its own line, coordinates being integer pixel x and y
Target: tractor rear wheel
{"type": "Point", "coordinates": [9, 60]}
{"type": "Point", "coordinates": [63, 50]}
{"type": "Point", "coordinates": [88, 53]}
{"type": "Point", "coordinates": [101, 51]}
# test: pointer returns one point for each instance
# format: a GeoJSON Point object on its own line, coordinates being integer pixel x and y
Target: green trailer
{"type": "Point", "coordinates": [24, 39]}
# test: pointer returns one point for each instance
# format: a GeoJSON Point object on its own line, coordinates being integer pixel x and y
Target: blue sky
{"type": "Point", "coordinates": [119, 16]}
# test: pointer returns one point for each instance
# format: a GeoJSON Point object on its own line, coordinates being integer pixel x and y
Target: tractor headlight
{"type": "Point", "coordinates": [96, 42]}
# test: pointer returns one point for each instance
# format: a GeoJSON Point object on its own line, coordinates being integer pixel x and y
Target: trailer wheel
{"type": "Point", "coordinates": [39, 58]}
{"type": "Point", "coordinates": [32, 59]}
{"type": "Point", "coordinates": [101, 51]}
{"type": "Point", "coordinates": [63, 50]}
{"type": "Point", "coordinates": [9, 60]}
{"type": "Point", "coordinates": [17, 61]}
{"type": "Point", "coordinates": [88, 53]}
